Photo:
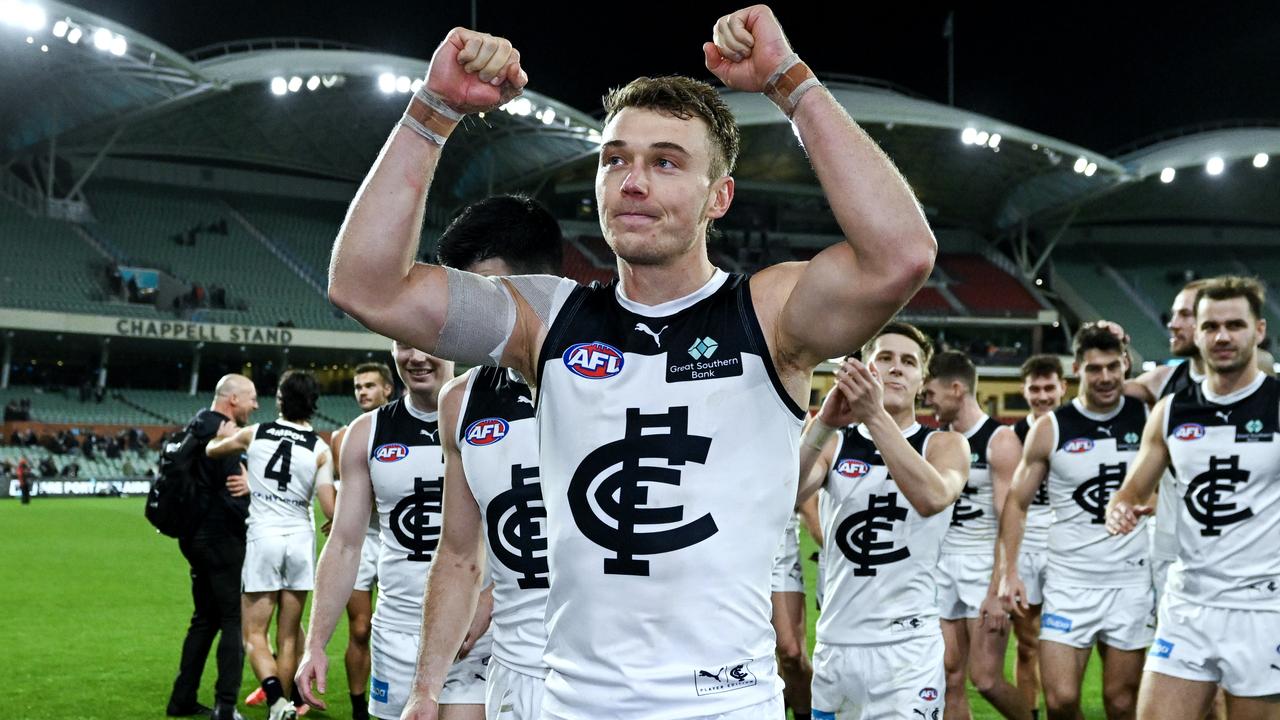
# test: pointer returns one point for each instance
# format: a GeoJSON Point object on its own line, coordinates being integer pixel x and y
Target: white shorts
{"type": "Point", "coordinates": [1233, 648]}
{"type": "Point", "coordinates": [771, 709]}
{"type": "Point", "coordinates": [367, 574]}
{"type": "Point", "coordinates": [512, 695]}
{"type": "Point", "coordinates": [1160, 573]}
{"type": "Point", "coordinates": [893, 680]}
{"type": "Point", "coordinates": [1031, 567]}
{"type": "Point", "coordinates": [962, 584]}
{"type": "Point", "coordinates": [279, 562]}
{"type": "Point", "coordinates": [394, 657]}
{"type": "Point", "coordinates": [788, 575]}
{"type": "Point", "coordinates": [1122, 618]}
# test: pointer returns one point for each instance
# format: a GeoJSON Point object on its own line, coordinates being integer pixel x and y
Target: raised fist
{"type": "Point", "coordinates": [473, 71]}
{"type": "Point", "coordinates": [746, 47]}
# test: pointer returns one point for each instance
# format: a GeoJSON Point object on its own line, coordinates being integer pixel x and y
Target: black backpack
{"type": "Point", "coordinates": [177, 500]}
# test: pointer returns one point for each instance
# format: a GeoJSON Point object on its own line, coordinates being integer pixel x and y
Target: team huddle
{"type": "Point", "coordinates": [602, 510]}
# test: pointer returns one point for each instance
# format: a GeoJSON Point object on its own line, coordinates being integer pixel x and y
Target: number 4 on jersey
{"type": "Point", "coordinates": [278, 466]}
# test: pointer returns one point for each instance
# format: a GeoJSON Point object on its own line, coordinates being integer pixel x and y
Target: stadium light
{"type": "Point", "coordinates": [74, 35]}
{"type": "Point", "coordinates": [417, 85]}
{"type": "Point", "coordinates": [1167, 175]}
{"type": "Point", "coordinates": [295, 84]}
{"type": "Point", "coordinates": [1090, 169]}
{"type": "Point", "coordinates": [119, 46]}
{"type": "Point", "coordinates": [403, 84]}
{"type": "Point", "coordinates": [968, 136]}
{"type": "Point", "coordinates": [548, 116]}
{"type": "Point", "coordinates": [1080, 165]}
{"type": "Point", "coordinates": [994, 142]}
{"type": "Point", "coordinates": [279, 86]}
{"type": "Point", "coordinates": [1260, 160]}
{"type": "Point", "coordinates": [102, 39]}
{"type": "Point", "coordinates": [387, 83]}
{"type": "Point", "coordinates": [981, 138]}
{"type": "Point", "coordinates": [28, 16]}
{"type": "Point", "coordinates": [60, 28]}
{"type": "Point", "coordinates": [1039, 282]}
{"type": "Point", "coordinates": [1215, 166]}
{"type": "Point", "coordinates": [313, 82]}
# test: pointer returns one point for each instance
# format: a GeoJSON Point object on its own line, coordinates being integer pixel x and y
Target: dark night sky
{"type": "Point", "coordinates": [1099, 76]}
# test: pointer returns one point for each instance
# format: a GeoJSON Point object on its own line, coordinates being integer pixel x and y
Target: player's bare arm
{"type": "Point", "coordinates": [453, 586]}
{"type": "Point", "coordinates": [1030, 472]}
{"type": "Point", "coordinates": [372, 273]}
{"type": "Point", "coordinates": [339, 562]}
{"type": "Point", "coordinates": [931, 484]}
{"type": "Point", "coordinates": [888, 253]}
{"type": "Point", "coordinates": [326, 496]}
{"type": "Point", "coordinates": [1132, 501]}
{"type": "Point", "coordinates": [1003, 455]}
{"type": "Point", "coordinates": [234, 444]}
{"type": "Point", "coordinates": [818, 443]}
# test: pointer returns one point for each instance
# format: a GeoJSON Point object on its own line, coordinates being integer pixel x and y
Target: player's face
{"type": "Point", "coordinates": [1182, 325]}
{"type": "Point", "coordinates": [945, 398]}
{"type": "Point", "coordinates": [653, 187]}
{"type": "Point", "coordinates": [244, 403]}
{"type": "Point", "coordinates": [490, 267]}
{"type": "Point", "coordinates": [422, 374]}
{"type": "Point", "coordinates": [1102, 377]}
{"type": "Point", "coordinates": [896, 359]}
{"type": "Point", "coordinates": [371, 391]}
{"type": "Point", "coordinates": [1227, 333]}
{"type": "Point", "coordinates": [1043, 393]}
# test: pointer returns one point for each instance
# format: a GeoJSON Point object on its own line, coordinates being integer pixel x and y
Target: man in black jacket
{"type": "Point", "coordinates": [215, 551]}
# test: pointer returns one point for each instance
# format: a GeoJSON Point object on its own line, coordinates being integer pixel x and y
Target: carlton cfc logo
{"type": "Point", "coordinates": [1189, 431]}
{"type": "Point", "coordinates": [390, 452]}
{"type": "Point", "coordinates": [487, 431]}
{"type": "Point", "coordinates": [594, 360]}
{"type": "Point", "coordinates": [853, 468]}
{"type": "Point", "coordinates": [1079, 445]}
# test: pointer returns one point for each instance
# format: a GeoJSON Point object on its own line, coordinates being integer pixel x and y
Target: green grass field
{"type": "Point", "coordinates": [94, 605]}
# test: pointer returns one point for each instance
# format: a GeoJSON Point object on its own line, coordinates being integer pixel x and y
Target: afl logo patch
{"type": "Point", "coordinates": [1079, 445]}
{"type": "Point", "coordinates": [593, 360]}
{"type": "Point", "coordinates": [853, 468]}
{"type": "Point", "coordinates": [929, 694]}
{"type": "Point", "coordinates": [391, 452]}
{"type": "Point", "coordinates": [1189, 431]}
{"type": "Point", "coordinates": [487, 431]}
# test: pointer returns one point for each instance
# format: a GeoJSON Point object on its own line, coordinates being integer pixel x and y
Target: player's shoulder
{"type": "Point", "coordinates": [453, 392]}
{"type": "Point", "coordinates": [946, 443]}
{"type": "Point", "coordinates": [772, 285]}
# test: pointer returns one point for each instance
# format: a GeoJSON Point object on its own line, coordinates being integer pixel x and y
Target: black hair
{"type": "Point", "coordinates": [299, 393]}
{"type": "Point", "coordinates": [513, 228]}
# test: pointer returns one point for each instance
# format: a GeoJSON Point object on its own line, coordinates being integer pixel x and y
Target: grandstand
{"type": "Point", "coordinates": [194, 166]}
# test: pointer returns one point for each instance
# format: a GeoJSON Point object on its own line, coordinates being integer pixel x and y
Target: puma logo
{"type": "Point", "coordinates": [1226, 416]}
{"type": "Point", "coordinates": [523, 399]}
{"type": "Point", "coordinates": [713, 676]}
{"type": "Point", "coordinates": [657, 339]}
{"type": "Point", "coordinates": [429, 433]}
{"type": "Point", "coordinates": [1105, 430]}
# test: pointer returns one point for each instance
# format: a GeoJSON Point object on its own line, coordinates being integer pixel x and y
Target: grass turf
{"type": "Point", "coordinates": [94, 605]}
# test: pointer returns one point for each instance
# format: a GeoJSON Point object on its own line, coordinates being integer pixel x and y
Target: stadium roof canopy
{"type": "Point", "coordinates": [80, 87]}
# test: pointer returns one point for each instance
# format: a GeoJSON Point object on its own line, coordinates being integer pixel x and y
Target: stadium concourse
{"type": "Point", "coordinates": [166, 218]}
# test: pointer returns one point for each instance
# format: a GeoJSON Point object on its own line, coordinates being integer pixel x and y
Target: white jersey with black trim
{"type": "Point", "coordinates": [498, 440]}
{"type": "Point", "coordinates": [1164, 524]}
{"type": "Point", "coordinates": [1092, 452]}
{"type": "Point", "coordinates": [973, 516]}
{"type": "Point", "coordinates": [282, 460]}
{"type": "Point", "coordinates": [1035, 539]}
{"type": "Point", "coordinates": [669, 451]}
{"type": "Point", "coordinates": [1226, 459]}
{"type": "Point", "coordinates": [406, 467]}
{"type": "Point", "coordinates": [878, 571]}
